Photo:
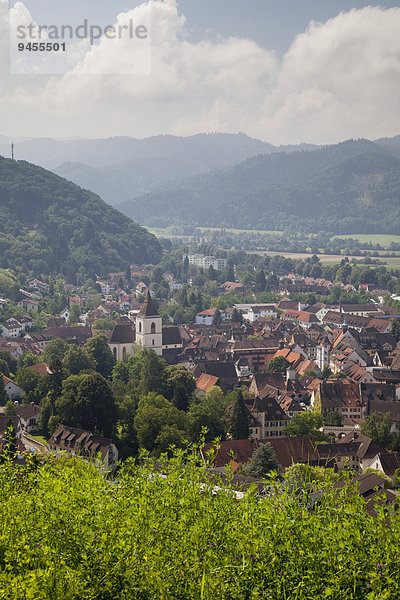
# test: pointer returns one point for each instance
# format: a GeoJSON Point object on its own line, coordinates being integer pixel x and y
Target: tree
{"type": "Point", "coordinates": [154, 414]}
{"type": "Point", "coordinates": [10, 360]}
{"type": "Point", "coordinates": [74, 314]}
{"type": "Point", "coordinates": [377, 427]}
{"type": "Point", "coordinates": [237, 316]}
{"type": "Point", "coordinates": [3, 392]}
{"type": "Point", "coordinates": [239, 422]}
{"type": "Point", "coordinates": [333, 419]}
{"type": "Point", "coordinates": [178, 386]}
{"type": "Point", "coordinates": [28, 360]}
{"type": "Point", "coordinates": [209, 413]}
{"type": "Point", "coordinates": [10, 409]}
{"type": "Point", "coordinates": [262, 462]}
{"type": "Point", "coordinates": [217, 320]}
{"type": "Point", "coordinates": [96, 404]}
{"type": "Point", "coordinates": [230, 274]}
{"type": "Point", "coordinates": [152, 371]}
{"type": "Point", "coordinates": [306, 423]}
{"type": "Point", "coordinates": [55, 350]}
{"type": "Point", "coordinates": [77, 359]}
{"type": "Point", "coordinates": [278, 365]}
{"type": "Point", "coordinates": [52, 383]}
{"type": "Point", "coordinates": [326, 372]}
{"type": "Point", "coordinates": [259, 281]}
{"type": "Point", "coordinates": [31, 382]}
{"type": "Point", "coordinates": [106, 324]}
{"type": "Point", "coordinates": [9, 447]}
{"type": "Point", "coordinates": [4, 368]}
{"type": "Point", "coordinates": [127, 439]}
{"type": "Point", "coordinates": [98, 348]}
{"type": "Point", "coordinates": [395, 328]}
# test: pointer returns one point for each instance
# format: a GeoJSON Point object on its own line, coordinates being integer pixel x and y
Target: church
{"type": "Point", "coordinates": [147, 332]}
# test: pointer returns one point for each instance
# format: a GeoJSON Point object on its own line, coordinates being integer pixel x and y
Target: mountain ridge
{"type": "Point", "coordinates": [51, 225]}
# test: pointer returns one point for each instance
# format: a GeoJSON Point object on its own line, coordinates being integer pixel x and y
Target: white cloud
{"type": "Point", "coordinates": [339, 79]}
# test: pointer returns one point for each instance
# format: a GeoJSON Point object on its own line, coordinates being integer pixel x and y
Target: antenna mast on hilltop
{"type": "Point", "coordinates": [12, 150]}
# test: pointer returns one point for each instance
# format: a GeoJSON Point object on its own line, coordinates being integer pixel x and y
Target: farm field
{"type": "Point", "coordinates": [382, 239]}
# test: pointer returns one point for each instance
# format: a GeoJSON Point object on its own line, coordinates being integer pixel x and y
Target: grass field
{"type": "Point", "coordinates": [382, 239]}
{"type": "Point", "coordinates": [39, 438]}
{"type": "Point", "coordinates": [229, 230]}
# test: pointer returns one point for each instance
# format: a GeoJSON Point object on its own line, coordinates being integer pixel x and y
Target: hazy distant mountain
{"type": "Point", "coordinates": [129, 179]}
{"type": "Point", "coordinates": [210, 151]}
{"type": "Point", "coordinates": [51, 225]}
{"type": "Point", "coordinates": [122, 168]}
{"type": "Point", "coordinates": [390, 145]}
{"type": "Point", "coordinates": [352, 187]}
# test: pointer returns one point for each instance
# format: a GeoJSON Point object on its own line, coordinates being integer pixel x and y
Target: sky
{"type": "Point", "coordinates": [317, 71]}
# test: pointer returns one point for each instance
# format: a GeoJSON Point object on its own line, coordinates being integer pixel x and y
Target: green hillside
{"type": "Point", "coordinates": [350, 187]}
{"type": "Point", "coordinates": [51, 225]}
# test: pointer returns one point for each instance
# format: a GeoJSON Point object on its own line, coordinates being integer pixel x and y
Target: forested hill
{"type": "Point", "coordinates": [50, 225]}
{"type": "Point", "coordinates": [352, 187]}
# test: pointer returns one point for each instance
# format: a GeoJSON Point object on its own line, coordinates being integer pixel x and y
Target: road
{"type": "Point", "coordinates": [32, 445]}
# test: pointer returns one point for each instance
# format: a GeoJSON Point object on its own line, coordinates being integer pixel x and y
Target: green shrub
{"type": "Point", "coordinates": [67, 531]}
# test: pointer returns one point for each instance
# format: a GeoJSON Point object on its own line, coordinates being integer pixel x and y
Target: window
{"type": "Point", "coordinates": [140, 327]}
{"type": "Point", "coordinates": [123, 352]}
{"type": "Point", "coordinates": [153, 342]}
{"type": "Point", "coordinates": [153, 328]}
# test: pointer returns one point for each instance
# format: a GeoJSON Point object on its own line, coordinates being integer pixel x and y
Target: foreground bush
{"type": "Point", "coordinates": [66, 532]}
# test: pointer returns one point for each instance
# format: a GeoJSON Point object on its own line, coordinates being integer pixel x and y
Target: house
{"type": "Point", "coordinates": [224, 371]}
{"type": "Point", "coordinates": [36, 284]}
{"type": "Point", "coordinates": [204, 384]}
{"type": "Point", "coordinates": [105, 288]}
{"type": "Point", "coordinates": [27, 302]}
{"type": "Point", "coordinates": [304, 319]}
{"type": "Point", "coordinates": [387, 462]}
{"type": "Point", "coordinates": [367, 449]}
{"type": "Point", "coordinates": [14, 391]}
{"type": "Point", "coordinates": [206, 317]}
{"type": "Point", "coordinates": [268, 420]}
{"type": "Point", "coordinates": [73, 334]}
{"type": "Point", "coordinates": [258, 353]}
{"type": "Point", "coordinates": [233, 287]}
{"type": "Point", "coordinates": [30, 416]}
{"type": "Point", "coordinates": [341, 396]}
{"type": "Point", "coordinates": [42, 368]}
{"type": "Point", "coordinates": [290, 406]}
{"type": "Point", "coordinates": [78, 442]}
{"type": "Point", "coordinates": [254, 312]}
{"type": "Point", "coordinates": [288, 451]}
{"type": "Point", "coordinates": [15, 326]}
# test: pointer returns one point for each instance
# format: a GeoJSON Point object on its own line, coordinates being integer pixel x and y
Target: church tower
{"type": "Point", "coordinates": [149, 326]}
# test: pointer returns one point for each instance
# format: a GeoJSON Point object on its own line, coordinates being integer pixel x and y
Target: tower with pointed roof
{"type": "Point", "coordinates": [149, 326]}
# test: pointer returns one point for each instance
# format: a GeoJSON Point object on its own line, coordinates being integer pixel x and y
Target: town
{"type": "Point", "coordinates": [250, 352]}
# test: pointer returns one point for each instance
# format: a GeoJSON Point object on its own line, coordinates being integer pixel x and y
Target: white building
{"type": "Point", "coordinates": [253, 312]}
{"type": "Point", "coordinates": [206, 317]}
{"type": "Point", "coordinates": [205, 262]}
{"type": "Point", "coordinates": [14, 392]}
